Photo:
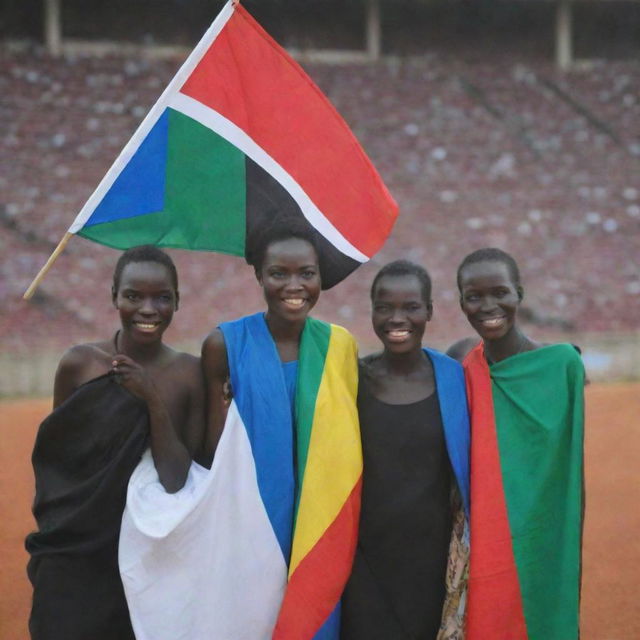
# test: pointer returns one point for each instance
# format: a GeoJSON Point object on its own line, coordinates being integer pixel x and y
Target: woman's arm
{"type": "Point", "coordinates": [172, 458]}
{"type": "Point", "coordinates": [194, 428]}
{"type": "Point", "coordinates": [66, 380]}
{"type": "Point", "coordinates": [215, 368]}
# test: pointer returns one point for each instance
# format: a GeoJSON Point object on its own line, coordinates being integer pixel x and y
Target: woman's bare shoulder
{"type": "Point", "coordinates": [87, 355]}
{"type": "Point", "coordinates": [459, 350]}
{"type": "Point", "coordinates": [79, 364]}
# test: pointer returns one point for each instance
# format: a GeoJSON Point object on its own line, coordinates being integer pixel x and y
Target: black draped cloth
{"type": "Point", "coordinates": [397, 586]}
{"type": "Point", "coordinates": [84, 454]}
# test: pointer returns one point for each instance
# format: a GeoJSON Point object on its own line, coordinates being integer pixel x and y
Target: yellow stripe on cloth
{"type": "Point", "coordinates": [334, 461]}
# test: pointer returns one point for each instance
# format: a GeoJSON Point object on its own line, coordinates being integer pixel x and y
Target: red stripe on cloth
{"type": "Point", "coordinates": [317, 584]}
{"type": "Point", "coordinates": [249, 79]}
{"type": "Point", "coordinates": [494, 608]}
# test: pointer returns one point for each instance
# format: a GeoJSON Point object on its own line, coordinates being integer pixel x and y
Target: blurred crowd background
{"type": "Point", "coordinates": [481, 139]}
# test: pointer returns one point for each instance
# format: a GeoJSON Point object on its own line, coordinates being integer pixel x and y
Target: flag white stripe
{"type": "Point", "coordinates": [235, 135]}
{"type": "Point", "coordinates": [152, 117]}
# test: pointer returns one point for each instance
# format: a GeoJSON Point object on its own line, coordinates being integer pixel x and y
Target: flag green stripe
{"type": "Point", "coordinates": [206, 186]}
{"type": "Point", "coordinates": [314, 345]}
{"type": "Point", "coordinates": [204, 199]}
{"type": "Point", "coordinates": [540, 443]}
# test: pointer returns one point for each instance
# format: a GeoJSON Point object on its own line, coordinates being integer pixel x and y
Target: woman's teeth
{"type": "Point", "coordinates": [493, 322]}
{"type": "Point", "coordinates": [146, 326]}
{"type": "Point", "coordinates": [294, 302]}
{"type": "Point", "coordinates": [403, 333]}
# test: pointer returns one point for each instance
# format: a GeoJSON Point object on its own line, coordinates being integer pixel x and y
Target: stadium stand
{"type": "Point", "coordinates": [478, 150]}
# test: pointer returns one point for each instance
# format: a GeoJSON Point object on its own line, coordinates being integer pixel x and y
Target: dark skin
{"type": "Point", "coordinates": [290, 279]}
{"type": "Point", "coordinates": [169, 382]}
{"type": "Point", "coordinates": [401, 373]}
{"type": "Point", "coordinates": [490, 298]}
{"type": "Point", "coordinates": [459, 350]}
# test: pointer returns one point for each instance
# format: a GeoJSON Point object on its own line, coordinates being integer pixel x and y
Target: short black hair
{"type": "Point", "coordinates": [405, 268]}
{"type": "Point", "coordinates": [491, 254]}
{"type": "Point", "coordinates": [144, 253]}
{"type": "Point", "coordinates": [282, 228]}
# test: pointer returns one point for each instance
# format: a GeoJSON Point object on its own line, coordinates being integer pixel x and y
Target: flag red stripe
{"type": "Point", "coordinates": [316, 586]}
{"type": "Point", "coordinates": [494, 608]}
{"type": "Point", "coordinates": [246, 77]}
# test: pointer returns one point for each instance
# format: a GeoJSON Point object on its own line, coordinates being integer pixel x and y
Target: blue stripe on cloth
{"type": "Point", "coordinates": [452, 396]}
{"type": "Point", "coordinates": [330, 630]}
{"type": "Point", "coordinates": [260, 393]}
{"type": "Point", "coordinates": [139, 189]}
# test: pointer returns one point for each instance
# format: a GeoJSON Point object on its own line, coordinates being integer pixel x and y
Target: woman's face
{"type": "Point", "coordinates": [146, 300]}
{"type": "Point", "coordinates": [489, 298]}
{"type": "Point", "coordinates": [400, 313]}
{"type": "Point", "coordinates": [290, 278]}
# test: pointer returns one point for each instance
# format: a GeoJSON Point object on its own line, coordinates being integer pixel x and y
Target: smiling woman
{"type": "Point", "coordinates": [526, 405]}
{"type": "Point", "coordinates": [490, 294]}
{"type": "Point", "coordinates": [312, 460]}
{"type": "Point", "coordinates": [408, 574]}
{"type": "Point", "coordinates": [112, 400]}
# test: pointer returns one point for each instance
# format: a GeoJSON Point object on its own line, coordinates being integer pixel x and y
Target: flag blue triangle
{"type": "Point", "coordinates": [139, 189]}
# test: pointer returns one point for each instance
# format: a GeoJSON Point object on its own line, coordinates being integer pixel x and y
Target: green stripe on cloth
{"type": "Point", "coordinates": [204, 200]}
{"type": "Point", "coordinates": [314, 344]}
{"type": "Point", "coordinates": [538, 402]}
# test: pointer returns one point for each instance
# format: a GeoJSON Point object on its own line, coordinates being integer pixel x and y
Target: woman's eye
{"type": "Point", "coordinates": [308, 274]}
{"type": "Point", "coordinates": [131, 296]}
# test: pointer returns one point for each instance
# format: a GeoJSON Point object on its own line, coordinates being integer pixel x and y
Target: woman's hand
{"type": "Point", "coordinates": [133, 377]}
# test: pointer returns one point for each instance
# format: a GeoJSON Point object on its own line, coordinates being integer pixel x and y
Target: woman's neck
{"type": "Point", "coordinates": [509, 345]}
{"type": "Point", "coordinates": [284, 330]}
{"type": "Point", "coordinates": [286, 335]}
{"type": "Point", "coordinates": [403, 364]}
{"type": "Point", "coordinates": [141, 353]}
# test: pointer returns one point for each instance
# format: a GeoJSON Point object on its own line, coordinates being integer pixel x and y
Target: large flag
{"type": "Point", "coordinates": [526, 494]}
{"type": "Point", "coordinates": [241, 135]}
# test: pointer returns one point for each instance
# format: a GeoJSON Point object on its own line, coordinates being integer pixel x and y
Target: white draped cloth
{"type": "Point", "coordinates": [203, 563]}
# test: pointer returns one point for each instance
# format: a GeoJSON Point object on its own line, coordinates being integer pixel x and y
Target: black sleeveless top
{"type": "Point", "coordinates": [397, 586]}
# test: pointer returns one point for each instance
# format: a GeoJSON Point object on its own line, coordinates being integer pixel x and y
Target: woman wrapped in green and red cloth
{"type": "Point", "coordinates": [527, 416]}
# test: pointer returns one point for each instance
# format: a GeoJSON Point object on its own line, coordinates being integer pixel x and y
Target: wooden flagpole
{"type": "Point", "coordinates": [43, 272]}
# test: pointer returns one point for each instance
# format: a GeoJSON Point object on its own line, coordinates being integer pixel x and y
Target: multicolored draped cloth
{"type": "Point", "coordinates": [261, 545]}
{"type": "Point", "coordinates": [527, 417]}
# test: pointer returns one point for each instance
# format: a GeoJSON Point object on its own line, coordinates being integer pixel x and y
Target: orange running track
{"type": "Point", "coordinates": [611, 545]}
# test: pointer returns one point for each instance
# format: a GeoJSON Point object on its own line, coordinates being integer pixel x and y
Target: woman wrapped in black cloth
{"type": "Point", "coordinates": [112, 400]}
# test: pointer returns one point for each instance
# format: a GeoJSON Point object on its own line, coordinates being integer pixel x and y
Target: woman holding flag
{"type": "Point", "coordinates": [526, 404]}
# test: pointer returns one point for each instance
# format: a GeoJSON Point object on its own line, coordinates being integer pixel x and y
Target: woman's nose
{"type": "Point", "coordinates": [147, 306]}
{"type": "Point", "coordinates": [487, 303]}
{"type": "Point", "coordinates": [294, 283]}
